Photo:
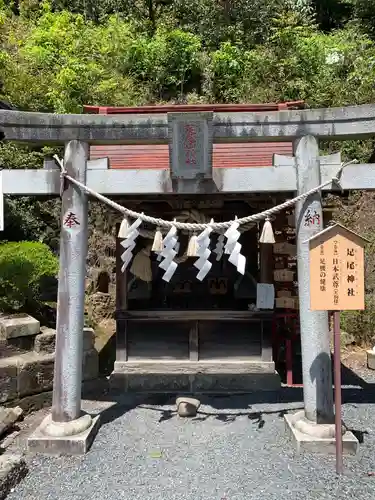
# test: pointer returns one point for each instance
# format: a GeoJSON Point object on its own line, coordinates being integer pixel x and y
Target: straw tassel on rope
{"type": "Point", "coordinates": [267, 235]}
{"type": "Point", "coordinates": [192, 246]}
{"type": "Point", "coordinates": [124, 228]}
{"type": "Point", "coordinates": [141, 265]}
{"type": "Point", "coordinates": [157, 245]}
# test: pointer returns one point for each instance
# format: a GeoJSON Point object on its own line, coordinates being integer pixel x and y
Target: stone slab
{"type": "Point", "coordinates": [35, 402]}
{"type": "Point", "coordinates": [45, 342]}
{"type": "Point", "coordinates": [32, 373]}
{"type": "Point", "coordinates": [8, 379]}
{"type": "Point", "coordinates": [156, 383]}
{"type": "Point", "coordinates": [90, 365]}
{"type": "Point", "coordinates": [88, 339]}
{"type": "Point", "coordinates": [371, 360]}
{"type": "Point", "coordinates": [305, 442]}
{"type": "Point", "coordinates": [183, 367]}
{"type": "Point", "coordinates": [35, 373]}
{"type": "Point", "coordinates": [223, 383]}
{"type": "Point", "coordinates": [40, 442]}
{"type": "Point", "coordinates": [203, 383]}
{"type": "Point", "coordinates": [13, 469]}
{"type": "Point", "coordinates": [19, 325]}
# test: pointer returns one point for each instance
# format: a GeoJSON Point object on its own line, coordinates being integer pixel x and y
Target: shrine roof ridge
{"type": "Point", "coordinates": [333, 123]}
{"type": "Point", "coordinates": [169, 108]}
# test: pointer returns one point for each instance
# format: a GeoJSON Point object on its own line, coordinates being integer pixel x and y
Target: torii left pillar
{"type": "Point", "coordinates": [68, 430]}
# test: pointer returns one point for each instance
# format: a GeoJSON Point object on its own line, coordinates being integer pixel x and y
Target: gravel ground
{"type": "Point", "coordinates": [235, 449]}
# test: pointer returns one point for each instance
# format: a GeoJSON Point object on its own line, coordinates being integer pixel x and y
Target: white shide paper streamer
{"type": "Point", "coordinates": [203, 252]}
{"type": "Point", "coordinates": [129, 244]}
{"type": "Point", "coordinates": [168, 253]}
{"type": "Point", "coordinates": [233, 248]}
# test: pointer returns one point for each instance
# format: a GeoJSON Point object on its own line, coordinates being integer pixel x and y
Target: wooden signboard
{"type": "Point", "coordinates": [337, 270]}
{"type": "Point", "coordinates": [337, 284]}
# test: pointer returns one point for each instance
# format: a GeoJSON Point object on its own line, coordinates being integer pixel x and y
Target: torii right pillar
{"type": "Point", "coordinates": [313, 428]}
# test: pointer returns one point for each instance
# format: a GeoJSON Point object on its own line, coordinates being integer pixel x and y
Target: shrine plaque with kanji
{"type": "Point", "coordinates": [337, 270]}
{"type": "Point", "coordinates": [190, 145]}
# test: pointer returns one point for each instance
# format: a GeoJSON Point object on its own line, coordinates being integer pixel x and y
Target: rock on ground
{"type": "Point", "coordinates": [12, 470]}
{"type": "Point", "coordinates": [8, 416]}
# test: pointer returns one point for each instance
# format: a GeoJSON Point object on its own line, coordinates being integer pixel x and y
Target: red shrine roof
{"type": "Point", "coordinates": [259, 154]}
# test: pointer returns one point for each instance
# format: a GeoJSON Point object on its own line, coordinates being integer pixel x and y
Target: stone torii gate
{"type": "Point", "coordinates": [67, 430]}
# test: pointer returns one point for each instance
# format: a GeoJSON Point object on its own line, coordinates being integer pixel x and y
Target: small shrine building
{"type": "Point", "coordinates": [187, 327]}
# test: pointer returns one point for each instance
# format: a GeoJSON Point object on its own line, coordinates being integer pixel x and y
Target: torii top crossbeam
{"type": "Point", "coordinates": [355, 122]}
{"type": "Point", "coordinates": [333, 123]}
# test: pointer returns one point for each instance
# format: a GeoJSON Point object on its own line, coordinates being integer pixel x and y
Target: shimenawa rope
{"type": "Point", "coordinates": [215, 226]}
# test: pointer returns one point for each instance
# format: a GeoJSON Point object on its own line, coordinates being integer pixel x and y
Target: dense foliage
{"type": "Point", "coordinates": [196, 50]}
{"type": "Point", "coordinates": [56, 55]}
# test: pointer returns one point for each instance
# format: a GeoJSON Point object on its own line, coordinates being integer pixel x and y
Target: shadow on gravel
{"type": "Point", "coordinates": [349, 377]}
{"type": "Point", "coordinates": [124, 403]}
{"type": "Point", "coordinates": [225, 417]}
{"type": "Point", "coordinates": [226, 403]}
{"type": "Point", "coordinates": [114, 412]}
{"type": "Point", "coordinates": [360, 435]}
{"type": "Point", "coordinates": [359, 392]}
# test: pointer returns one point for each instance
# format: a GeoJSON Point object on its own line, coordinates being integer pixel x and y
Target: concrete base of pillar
{"type": "Point", "coordinates": [320, 438]}
{"type": "Point", "coordinates": [60, 443]}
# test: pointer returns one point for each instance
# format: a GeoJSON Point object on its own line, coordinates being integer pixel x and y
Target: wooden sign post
{"type": "Point", "coordinates": [337, 283]}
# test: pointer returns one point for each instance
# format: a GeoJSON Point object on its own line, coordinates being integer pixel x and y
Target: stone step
{"type": "Point", "coordinates": [18, 325]}
{"type": "Point", "coordinates": [32, 373]}
{"type": "Point", "coordinates": [194, 377]}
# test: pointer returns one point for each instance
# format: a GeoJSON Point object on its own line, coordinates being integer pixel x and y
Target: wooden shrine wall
{"type": "Point", "coordinates": [224, 155]}
{"type": "Point", "coordinates": [187, 319]}
{"type": "Point", "coordinates": [285, 262]}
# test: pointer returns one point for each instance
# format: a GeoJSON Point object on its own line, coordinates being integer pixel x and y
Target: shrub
{"type": "Point", "coordinates": [24, 267]}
